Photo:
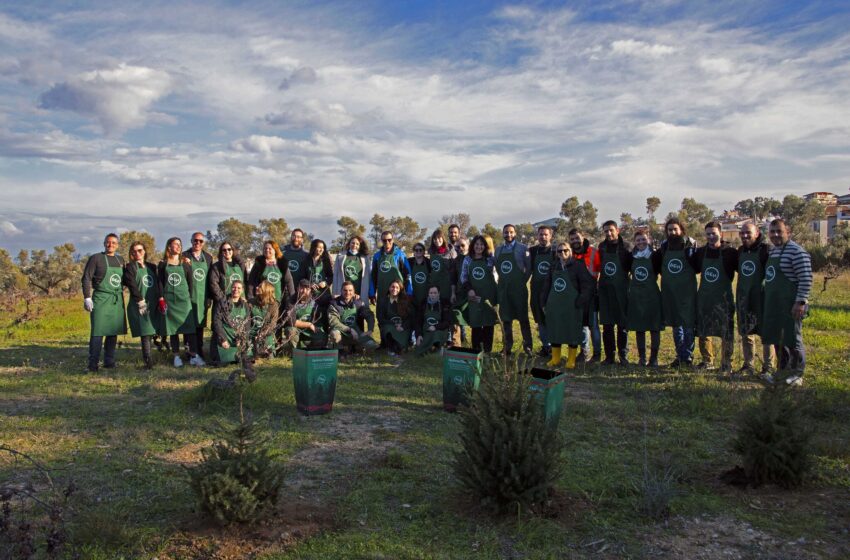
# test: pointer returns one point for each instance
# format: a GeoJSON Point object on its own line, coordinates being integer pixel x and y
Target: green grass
{"type": "Point", "coordinates": [121, 435]}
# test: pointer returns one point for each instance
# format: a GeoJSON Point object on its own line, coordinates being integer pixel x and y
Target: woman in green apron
{"type": "Point", "coordinates": [479, 285]}
{"type": "Point", "coordinates": [233, 325]}
{"type": "Point", "coordinates": [442, 274]}
{"type": "Point", "coordinates": [645, 300]}
{"type": "Point", "coordinates": [320, 272]}
{"type": "Point", "coordinates": [564, 295]}
{"type": "Point", "coordinates": [175, 302]}
{"type": "Point", "coordinates": [271, 267]}
{"type": "Point", "coordinates": [395, 318]}
{"type": "Point", "coordinates": [265, 312]}
{"type": "Point", "coordinates": [141, 280]}
{"type": "Point", "coordinates": [353, 265]}
{"type": "Point", "coordinates": [420, 268]}
{"type": "Point", "coordinates": [227, 268]}
{"type": "Point", "coordinates": [433, 322]}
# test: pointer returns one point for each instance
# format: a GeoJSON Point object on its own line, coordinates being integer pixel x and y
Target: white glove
{"type": "Point", "coordinates": [143, 307]}
{"type": "Point", "coordinates": [88, 304]}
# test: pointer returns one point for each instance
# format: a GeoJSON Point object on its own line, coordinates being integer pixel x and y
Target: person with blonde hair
{"type": "Point", "coordinates": [265, 312]}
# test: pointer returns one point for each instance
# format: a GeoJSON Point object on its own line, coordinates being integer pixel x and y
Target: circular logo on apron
{"type": "Point", "coordinates": [147, 281]}
{"type": "Point", "coordinates": [711, 274]}
{"type": "Point", "coordinates": [769, 274]}
{"type": "Point", "coordinates": [560, 285]}
{"type": "Point", "coordinates": [235, 278]}
{"type": "Point", "coordinates": [641, 274]}
{"type": "Point", "coordinates": [543, 267]}
{"type": "Point", "coordinates": [748, 268]}
{"type": "Point", "coordinates": [351, 320]}
{"type": "Point", "coordinates": [293, 265]}
{"type": "Point", "coordinates": [478, 273]}
{"type": "Point", "coordinates": [174, 279]}
{"type": "Point", "coordinates": [419, 277]}
{"type": "Point", "coordinates": [458, 380]}
{"type": "Point", "coordinates": [431, 321]}
{"type": "Point", "coordinates": [506, 267]}
{"type": "Point", "coordinates": [675, 266]}
{"type": "Point", "coordinates": [436, 265]}
{"type": "Point", "coordinates": [258, 321]}
{"type": "Point", "coordinates": [114, 280]}
{"type": "Point", "coordinates": [350, 271]}
{"type": "Point", "coordinates": [322, 380]}
{"type": "Point", "coordinates": [273, 277]}
{"type": "Point", "coordinates": [385, 266]}
{"type": "Point", "coordinates": [610, 268]}
{"type": "Point", "coordinates": [396, 321]}
{"type": "Point", "coordinates": [317, 277]}
{"type": "Point", "coordinates": [199, 274]}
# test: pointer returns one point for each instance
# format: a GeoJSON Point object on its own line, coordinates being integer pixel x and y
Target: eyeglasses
{"type": "Point", "coordinates": [419, 250]}
{"type": "Point", "coordinates": [562, 251]}
{"type": "Point", "coordinates": [387, 240]}
{"type": "Point", "coordinates": [138, 251]}
{"type": "Point", "coordinates": [197, 241]}
{"type": "Point", "coordinates": [227, 250]}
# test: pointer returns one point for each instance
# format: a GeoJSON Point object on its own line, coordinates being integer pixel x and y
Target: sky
{"type": "Point", "coordinates": [170, 117]}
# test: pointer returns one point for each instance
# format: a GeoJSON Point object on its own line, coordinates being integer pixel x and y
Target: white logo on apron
{"type": "Point", "coordinates": [748, 268]}
{"type": "Point", "coordinates": [350, 271]}
{"type": "Point", "coordinates": [114, 280]}
{"type": "Point", "coordinates": [431, 321]}
{"type": "Point", "coordinates": [293, 266]}
{"type": "Point", "coordinates": [543, 267]}
{"type": "Point", "coordinates": [174, 279]}
{"type": "Point", "coordinates": [478, 273]}
{"type": "Point", "coordinates": [385, 266]}
{"type": "Point", "coordinates": [235, 278]}
{"type": "Point", "coordinates": [610, 268]}
{"type": "Point", "coordinates": [560, 285]}
{"type": "Point", "coordinates": [675, 266]}
{"type": "Point", "coordinates": [147, 281]}
{"type": "Point", "coordinates": [641, 273]}
{"type": "Point", "coordinates": [420, 277]}
{"type": "Point", "coordinates": [711, 274]}
{"type": "Point", "coordinates": [769, 274]}
{"type": "Point", "coordinates": [435, 265]}
{"type": "Point", "coordinates": [199, 274]}
{"type": "Point", "coordinates": [273, 277]}
{"type": "Point", "coordinates": [506, 267]}
{"type": "Point", "coordinates": [396, 321]}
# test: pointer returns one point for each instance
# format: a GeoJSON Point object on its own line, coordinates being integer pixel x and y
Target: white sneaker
{"type": "Point", "coordinates": [794, 380]}
{"type": "Point", "coordinates": [197, 361]}
{"type": "Point", "coordinates": [767, 377]}
{"type": "Point", "coordinates": [178, 362]}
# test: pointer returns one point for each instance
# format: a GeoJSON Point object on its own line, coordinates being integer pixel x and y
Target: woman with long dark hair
{"type": "Point", "coordinates": [395, 318]}
{"type": "Point", "coordinates": [320, 271]}
{"type": "Point", "coordinates": [420, 268]}
{"type": "Point", "coordinates": [175, 303]}
{"type": "Point", "coordinates": [479, 283]}
{"type": "Point", "coordinates": [443, 274]}
{"type": "Point", "coordinates": [353, 265]}
{"type": "Point", "coordinates": [227, 269]}
{"type": "Point", "coordinates": [140, 277]}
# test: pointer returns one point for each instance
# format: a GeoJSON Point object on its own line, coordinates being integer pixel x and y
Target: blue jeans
{"type": "Point", "coordinates": [592, 334]}
{"type": "Point", "coordinates": [793, 358]}
{"type": "Point", "coordinates": [683, 339]}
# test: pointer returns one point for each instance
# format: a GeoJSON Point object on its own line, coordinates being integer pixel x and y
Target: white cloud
{"type": "Point", "coordinates": [8, 228]}
{"type": "Point", "coordinates": [311, 115]}
{"type": "Point", "coordinates": [640, 48]}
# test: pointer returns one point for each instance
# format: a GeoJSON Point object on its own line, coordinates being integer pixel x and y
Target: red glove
{"type": "Point", "coordinates": [163, 307]}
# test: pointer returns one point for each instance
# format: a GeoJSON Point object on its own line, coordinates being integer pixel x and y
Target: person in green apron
{"type": "Point", "coordinates": [442, 260]}
{"type": "Point", "coordinates": [353, 265]}
{"type": "Point", "coordinates": [233, 325]}
{"type": "Point", "coordinates": [103, 298]}
{"type": "Point", "coordinates": [420, 268]}
{"type": "Point", "coordinates": [478, 282]}
{"type": "Point", "coordinates": [514, 270]}
{"type": "Point", "coordinates": [787, 286]}
{"type": "Point", "coordinates": [227, 268]}
{"type": "Point", "coordinates": [645, 300]}
{"type": "Point", "coordinates": [395, 318]}
{"type": "Point", "coordinates": [345, 315]}
{"type": "Point", "coordinates": [717, 262]}
{"type": "Point", "coordinates": [271, 267]}
{"type": "Point", "coordinates": [389, 263]}
{"type": "Point", "coordinates": [749, 297]}
{"type": "Point", "coordinates": [141, 280]}
{"type": "Point", "coordinates": [459, 309]}
{"type": "Point", "coordinates": [175, 302]}
{"type": "Point", "coordinates": [306, 320]}
{"type": "Point", "coordinates": [320, 272]}
{"type": "Point", "coordinates": [265, 311]}
{"type": "Point", "coordinates": [564, 295]}
{"type": "Point", "coordinates": [295, 254]}
{"type": "Point", "coordinates": [201, 262]}
{"type": "Point", "coordinates": [541, 257]}
{"type": "Point", "coordinates": [613, 288]}
{"type": "Point", "coordinates": [433, 321]}
{"type": "Point", "coordinates": [678, 289]}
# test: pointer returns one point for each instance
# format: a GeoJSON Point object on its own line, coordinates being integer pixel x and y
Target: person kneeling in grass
{"type": "Point", "coordinates": [433, 321]}
{"type": "Point", "coordinates": [345, 313]}
{"type": "Point", "coordinates": [395, 317]}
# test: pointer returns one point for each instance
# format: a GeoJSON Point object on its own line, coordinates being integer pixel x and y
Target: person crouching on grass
{"type": "Point", "coordinates": [395, 317]}
{"type": "Point", "coordinates": [433, 321]}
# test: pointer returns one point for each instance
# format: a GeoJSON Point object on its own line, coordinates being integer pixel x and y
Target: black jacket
{"type": "Point", "coordinates": [760, 246]}
{"type": "Point", "coordinates": [255, 278]}
{"type": "Point", "coordinates": [621, 248]}
{"type": "Point", "coordinates": [726, 252]}
{"type": "Point", "coordinates": [223, 315]}
{"type": "Point", "coordinates": [129, 279]}
{"type": "Point", "coordinates": [443, 324]}
{"type": "Point", "coordinates": [674, 244]}
{"type": "Point", "coordinates": [95, 270]}
{"type": "Point", "coordinates": [579, 277]}
{"type": "Point", "coordinates": [216, 279]}
{"type": "Point", "coordinates": [364, 314]}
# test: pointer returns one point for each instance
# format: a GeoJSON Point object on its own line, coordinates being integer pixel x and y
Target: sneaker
{"type": "Point", "coordinates": [178, 362]}
{"type": "Point", "coordinates": [745, 370]}
{"type": "Point", "coordinates": [767, 378]}
{"type": "Point", "coordinates": [595, 358]}
{"type": "Point", "coordinates": [705, 366]}
{"type": "Point", "coordinates": [197, 361]}
{"type": "Point", "coordinates": [725, 370]}
{"type": "Point", "coordinates": [794, 380]}
{"type": "Point", "coordinates": [675, 363]}
{"type": "Point", "coordinates": [641, 362]}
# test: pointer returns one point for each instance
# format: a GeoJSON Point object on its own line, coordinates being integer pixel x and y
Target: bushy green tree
{"type": "Point", "coordinates": [241, 235]}
{"type": "Point", "coordinates": [152, 252]}
{"type": "Point", "coordinates": [581, 216]}
{"type": "Point", "coordinates": [272, 229]}
{"type": "Point", "coordinates": [694, 215]}
{"type": "Point", "coordinates": [348, 228]}
{"type": "Point", "coordinates": [52, 273]}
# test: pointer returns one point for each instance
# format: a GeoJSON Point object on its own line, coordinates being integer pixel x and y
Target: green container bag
{"type": "Point", "coordinates": [314, 374]}
{"type": "Point", "coordinates": [548, 385]}
{"type": "Point", "coordinates": [461, 376]}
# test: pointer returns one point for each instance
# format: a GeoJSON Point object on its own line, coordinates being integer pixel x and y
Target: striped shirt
{"type": "Point", "coordinates": [796, 264]}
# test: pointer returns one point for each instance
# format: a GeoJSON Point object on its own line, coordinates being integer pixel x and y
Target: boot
{"type": "Point", "coordinates": [642, 356]}
{"type": "Point", "coordinates": [571, 357]}
{"type": "Point", "coordinates": [653, 357]}
{"type": "Point", "coordinates": [556, 356]}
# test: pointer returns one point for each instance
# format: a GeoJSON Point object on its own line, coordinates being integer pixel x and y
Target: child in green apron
{"type": "Point", "coordinates": [265, 311]}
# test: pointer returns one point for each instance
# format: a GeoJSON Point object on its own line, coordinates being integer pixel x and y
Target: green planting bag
{"type": "Point", "coordinates": [548, 385]}
{"type": "Point", "coordinates": [461, 376]}
{"type": "Point", "coordinates": [314, 374]}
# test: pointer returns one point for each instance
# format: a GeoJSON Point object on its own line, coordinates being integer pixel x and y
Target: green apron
{"type": "Point", "coordinates": [613, 290]}
{"type": "Point", "coordinates": [440, 276]}
{"type": "Point", "coordinates": [294, 259]}
{"type": "Point", "coordinates": [678, 290]}
{"type": "Point", "coordinates": [482, 313]}
{"type": "Point", "coordinates": [259, 316]}
{"type": "Point", "coordinates": [232, 273]}
{"type": "Point", "coordinates": [348, 316]}
{"type": "Point", "coordinates": [180, 318]}
{"type": "Point", "coordinates": [644, 298]}
{"type": "Point", "coordinates": [352, 271]}
{"type": "Point", "coordinates": [419, 273]}
{"type": "Point", "coordinates": [274, 277]}
{"type": "Point", "coordinates": [563, 318]}
{"type": "Point", "coordinates": [780, 294]}
{"type": "Point", "coordinates": [461, 306]}
{"type": "Point", "coordinates": [749, 293]}
{"type": "Point", "coordinates": [715, 306]}
{"type": "Point", "coordinates": [107, 317]}
{"type": "Point", "coordinates": [539, 273]}
{"type": "Point", "coordinates": [433, 314]}
{"type": "Point", "coordinates": [316, 275]}
{"type": "Point", "coordinates": [144, 325]}
{"type": "Point", "coordinates": [389, 326]}
{"type": "Point", "coordinates": [512, 288]}
{"type": "Point", "coordinates": [200, 268]}
{"type": "Point", "coordinates": [238, 315]}
{"type": "Point", "coordinates": [387, 272]}
{"type": "Point", "coordinates": [309, 313]}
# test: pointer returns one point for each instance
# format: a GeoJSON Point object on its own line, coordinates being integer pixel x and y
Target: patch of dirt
{"type": "Point", "coordinates": [188, 454]}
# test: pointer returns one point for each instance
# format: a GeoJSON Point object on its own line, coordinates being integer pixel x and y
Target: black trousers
{"type": "Point", "coordinates": [95, 344]}
{"type": "Point", "coordinates": [188, 338]}
{"type": "Point", "coordinates": [482, 338]}
{"type": "Point", "coordinates": [199, 340]}
{"type": "Point", "coordinates": [608, 342]}
{"type": "Point", "coordinates": [525, 329]}
{"type": "Point", "coordinates": [654, 344]}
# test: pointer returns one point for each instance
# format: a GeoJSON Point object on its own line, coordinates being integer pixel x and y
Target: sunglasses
{"type": "Point", "coordinates": [138, 251]}
{"type": "Point", "coordinates": [227, 250]}
{"type": "Point", "coordinates": [562, 251]}
{"type": "Point", "coordinates": [197, 241]}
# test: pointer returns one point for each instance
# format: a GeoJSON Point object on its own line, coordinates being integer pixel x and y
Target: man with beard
{"type": "Point", "coordinates": [616, 264]}
{"type": "Point", "coordinates": [514, 269]}
{"type": "Point", "coordinates": [583, 250]}
{"type": "Point", "coordinates": [541, 256]}
{"type": "Point", "coordinates": [749, 296]}
{"type": "Point", "coordinates": [296, 256]}
{"type": "Point", "coordinates": [345, 315]}
{"type": "Point", "coordinates": [454, 237]}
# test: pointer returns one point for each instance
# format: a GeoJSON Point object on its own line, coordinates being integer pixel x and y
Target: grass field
{"type": "Point", "coordinates": [373, 479]}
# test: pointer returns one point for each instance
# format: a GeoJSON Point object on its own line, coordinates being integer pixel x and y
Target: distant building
{"type": "Point", "coordinates": [833, 215]}
{"type": "Point", "coordinates": [551, 222]}
{"type": "Point", "coordinates": [825, 198]}
{"type": "Point", "coordinates": [844, 199]}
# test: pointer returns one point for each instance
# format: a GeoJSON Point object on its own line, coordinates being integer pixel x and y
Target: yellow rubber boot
{"type": "Point", "coordinates": [571, 357]}
{"type": "Point", "coordinates": [556, 356]}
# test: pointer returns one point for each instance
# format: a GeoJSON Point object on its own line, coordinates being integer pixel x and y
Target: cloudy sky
{"type": "Point", "coordinates": [176, 115]}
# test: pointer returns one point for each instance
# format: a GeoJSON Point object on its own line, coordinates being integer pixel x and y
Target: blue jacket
{"type": "Point", "coordinates": [403, 265]}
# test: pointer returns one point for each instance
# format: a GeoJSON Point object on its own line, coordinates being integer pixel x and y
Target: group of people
{"type": "Point", "coordinates": [295, 297]}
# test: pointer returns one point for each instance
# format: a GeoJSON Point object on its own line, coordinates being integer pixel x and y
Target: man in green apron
{"type": "Point", "coordinates": [787, 285]}
{"type": "Point", "coordinates": [103, 298]}
{"type": "Point", "coordinates": [615, 261]}
{"type": "Point", "coordinates": [296, 255]}
{"type": "Point", "coordinates": [389, 263]}
{"type": "Point", "coordinates": [541, 257]}
{"type": "Point", "coordinates": [307, 321]}
{"type": "Point", "coordinates": [678, 289]}
{"type": "Point", "coordinates": [345, 313]}
{"type": "Point", "coordinates": [514, 270]}
{"type": "Point", "coordinates": [459, 310]}
{"type": "Point", "coordinates": [749, 296]}
{"type": "Point", "coordinates": [201, 300]}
